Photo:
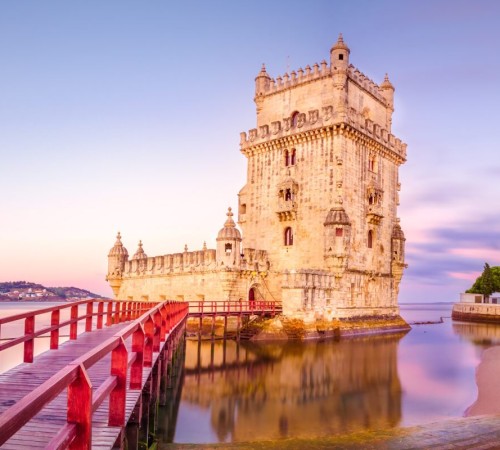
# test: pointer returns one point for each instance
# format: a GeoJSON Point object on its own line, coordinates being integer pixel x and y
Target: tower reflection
{"type": "Point", "coordinates": [271, 391]}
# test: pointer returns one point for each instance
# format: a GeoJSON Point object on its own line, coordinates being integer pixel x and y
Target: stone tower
{"type": "Point", "coordinates": [318, 211]}
{"type": "Point", "coordinates": [322, 189]}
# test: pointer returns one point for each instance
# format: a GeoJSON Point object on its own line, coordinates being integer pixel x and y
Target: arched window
{"type": "Point", "coordinates": [288, 236]}
{"type": "Point", "coordinates": [229, 249]}
{"type": "Point", "coordinates": [292, 157]}
{"type": "Point", "coordinates": [370, 239]}
{"type": "Point", "coordinates": [287, 158]}
{"type": "Point", "coordinates": [288, 195]}
{"type": "Point", "coordinates": [295, 118]}
{"type": "Point", "coordinates": [339, 232]}
{"type": "Point", "coordinates": [372, 163]}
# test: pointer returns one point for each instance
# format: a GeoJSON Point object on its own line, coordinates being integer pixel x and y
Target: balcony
{"type": "Point", "coordinates": [286, 210]}
{"type": "Point", "coordinates": [374, 214]}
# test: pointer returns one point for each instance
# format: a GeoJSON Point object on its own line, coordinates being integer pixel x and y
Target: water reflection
{"type": "Point", "coordinates": [486, 337]}
{"type": "Point", "coordinates": [482, 334]}
{"type": "Point", "coordinates": [251, 391]}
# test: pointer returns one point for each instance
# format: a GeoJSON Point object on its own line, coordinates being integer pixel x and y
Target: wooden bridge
{"type": "Point", "coordinates": [102, 387]}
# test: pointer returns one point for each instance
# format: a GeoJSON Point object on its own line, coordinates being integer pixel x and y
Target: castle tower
{"type": "Point", "coordinates": [318, 210]}
{"type": "Point", "coordinates": [321, 192]}
{"type": "Point", "coordinates": [117, 257]}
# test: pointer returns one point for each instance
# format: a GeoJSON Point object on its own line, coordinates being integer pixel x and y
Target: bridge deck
{"type": "Point", "coordinates": [19, 381]}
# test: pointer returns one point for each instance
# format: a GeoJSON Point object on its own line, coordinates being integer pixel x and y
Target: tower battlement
{"type": "Point", "coordinates": [326, 120]}
{"type": "Point", "coordinates": [317, 72]}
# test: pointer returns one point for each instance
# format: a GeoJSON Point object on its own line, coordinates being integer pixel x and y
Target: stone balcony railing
{"type": "Point", "coordinates": [374, 214]}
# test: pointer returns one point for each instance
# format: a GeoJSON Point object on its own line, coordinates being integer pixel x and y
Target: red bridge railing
{"type": "Point", "coordinates": [147, 332]}
{"type": "Point", "coordinates": [224, 307]}
{"type": "Point", "coordinates": [105, 311]}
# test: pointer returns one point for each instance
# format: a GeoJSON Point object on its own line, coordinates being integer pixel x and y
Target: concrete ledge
{"type": "Point", "coordinates": [481, 432]}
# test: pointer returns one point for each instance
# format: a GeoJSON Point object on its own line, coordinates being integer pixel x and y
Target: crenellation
{"type": "Point", "coordinates": [313, 120]}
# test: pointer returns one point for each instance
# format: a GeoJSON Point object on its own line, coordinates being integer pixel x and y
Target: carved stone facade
{"type": "Point", "coordinates": [318, 212]}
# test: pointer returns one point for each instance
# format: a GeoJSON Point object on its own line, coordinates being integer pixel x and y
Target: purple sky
{"type": "Point", "coordinates": [125, 115]}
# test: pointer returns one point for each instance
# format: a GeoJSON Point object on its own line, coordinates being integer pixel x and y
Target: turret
{"type": "Point", "coordinates": [117, 257]}
{"type": "Point", "coordinates": [398, 255]}
{"type": "Point", "coordinates": [337, 233]}
{"type": "Point", "coordinates": [262, 82]}
{"type": "Point", "coordinates": [139, 259]}
{"type": "Point", "coordinates": [387, 90]}
{"type": "Point", "coordinates": [339, 55]}
{"type": "Point", "coordinates": [229, 243]}
{"type": "Point", "coordinates": [339, 63]}
{"type": "Point", "coordinates": [398, 244]}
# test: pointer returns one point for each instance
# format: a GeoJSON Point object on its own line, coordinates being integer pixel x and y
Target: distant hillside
{"type": "Point", "coordinates": [24, 290]}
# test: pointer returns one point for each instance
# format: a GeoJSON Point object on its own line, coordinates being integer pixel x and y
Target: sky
{"type": "Point", "coordinates": [125, 116]}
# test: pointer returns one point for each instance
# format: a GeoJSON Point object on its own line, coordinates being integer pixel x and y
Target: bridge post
{"type": "Point", "coordinates": [163, 312]}
{"type": "Point", "coordinates": [88, 319]}
{"type": "Point", "coordinates": [80, 409]}
{"type": "Point", "coordinates": [157, 331]}
{"type": "Point", "coordinates": [163, 375]}
{"type": "Point", "coordinates": [54, 334]}
{"type": "Point", "coordinates": [117, 397]}
{"type": "Point", "coordinates": [29, 328]}
{"type": "Point", "coordinates": [138, 338]}
{"type": "Point", "coordinates": [144, 428]}
{"type": "Point", "coordinates": [148, 347]}
{"type": "Point", "coordinates": [109, 314]}
{"type": "Point", "coordinates": [100, 313]}
{"type": "Point", "coordinates": [73, 328]}
{"type": "Point", "coordinates": [132, 430]}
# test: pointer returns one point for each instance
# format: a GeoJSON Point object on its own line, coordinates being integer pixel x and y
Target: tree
{"type": "Point", "coordinates": [488, 282]}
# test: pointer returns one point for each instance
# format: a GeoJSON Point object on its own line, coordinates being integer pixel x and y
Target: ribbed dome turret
{"type": "Point", "coordinates": [229, 232]}
{"type": "Point", "coordinates": [386, 84]}
{"type": "Point", "coordinates": [139, 254]}
{"type": "Point", "coordinates": [118, 249]}
{"type": "Point", "coordinates": [337, 216]}
{"type": "Point", "coordinates": [340, 45]}
{"type": "Point", "coordinates": [397, 232]}
{"type": "Point", "coordinates": [263, 73]}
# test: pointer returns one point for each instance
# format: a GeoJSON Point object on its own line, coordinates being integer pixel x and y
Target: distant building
{"type": "Point", "coordinates": [477, 308]}
{"type": "Point", "coordinates": [318, 211]}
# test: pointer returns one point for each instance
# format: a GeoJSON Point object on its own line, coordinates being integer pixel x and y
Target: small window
{"type": "Point", "coordinates": [287, 158]}
{"type": "Point", "coordinates": [370, 239]}
{"type": "Point", "coordinates": [288, 195]}
{"type": "Point", "coordinates": [295, 118]}
{"type": "Point", "coordinates": [341, 56]}
{"type": "Point", "coordinates": [229, 249]}
{"type": "Point", "coordinates": [288, 236]}
{"type": "Point", "coordinates": [292, 157]}
{"type": "Point", "coordinates": [243, 208]}
{"type": "Point", "coordinates": [339, 232]}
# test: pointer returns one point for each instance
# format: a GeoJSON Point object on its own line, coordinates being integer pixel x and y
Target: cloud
{"type": "Point", "coordinates": [449, 253]}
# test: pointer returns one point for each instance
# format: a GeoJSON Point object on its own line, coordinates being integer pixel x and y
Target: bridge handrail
{"type": "Point", "coordinates": [234, 306]}
{"type": "Point", "coordinates": [147, 331]}
{"type": "Point", "coordinates": [116, 311]}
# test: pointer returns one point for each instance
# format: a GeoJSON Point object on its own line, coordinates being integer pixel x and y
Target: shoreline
{"type": "Point", "coordinates": [481, 432]}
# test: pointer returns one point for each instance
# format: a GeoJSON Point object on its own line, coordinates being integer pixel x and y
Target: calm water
{"type": "Point", "coordinates": [246, 392]}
